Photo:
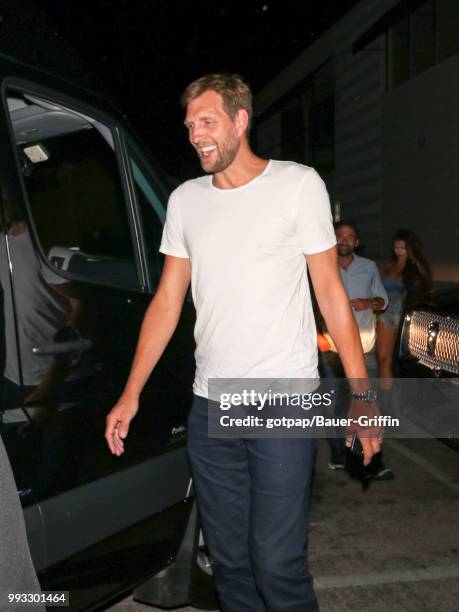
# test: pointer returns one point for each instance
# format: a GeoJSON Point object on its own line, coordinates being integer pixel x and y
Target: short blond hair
{"type": "Point", "coordinates": [233, 89]}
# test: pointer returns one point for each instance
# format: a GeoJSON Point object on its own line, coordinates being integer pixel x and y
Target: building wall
{"type": "Point", "coordinates": [421, 164]}
{"type": "Point", "coordinates": [360, 85]}
{"type": "Point", "coordinates": [359, 82]}
{"type": "Point", "coordinates": [381, 73]}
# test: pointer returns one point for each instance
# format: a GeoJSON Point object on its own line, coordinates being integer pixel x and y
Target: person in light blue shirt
{"type": "Point", "coordinates": [367, 295]}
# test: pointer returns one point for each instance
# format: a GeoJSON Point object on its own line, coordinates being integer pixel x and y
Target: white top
{"type": "Point", "coordinates": [249, 280]}
{"type": "Point", "coordinates": [361, 279]}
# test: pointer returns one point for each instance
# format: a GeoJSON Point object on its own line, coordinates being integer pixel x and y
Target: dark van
{"type": "Point", "coordinates": [82, 211]}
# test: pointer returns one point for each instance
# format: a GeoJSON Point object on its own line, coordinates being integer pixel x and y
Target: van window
{"type": "Point", "coordinates": [153, 216]}
{"type": "Point", "coordinates": [74, 190]}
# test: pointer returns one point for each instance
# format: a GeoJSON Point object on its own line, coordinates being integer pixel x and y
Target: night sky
{"type": "Point", "coordinates": [146, 51]}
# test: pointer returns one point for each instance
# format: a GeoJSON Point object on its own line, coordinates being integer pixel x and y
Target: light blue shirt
{"type": "Point", "coordinates": [361, 279]}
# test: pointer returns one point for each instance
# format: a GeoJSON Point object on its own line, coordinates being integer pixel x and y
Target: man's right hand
{"type": "Point", "coordinates": [118, 421]}
{"type": "Point", "coordinates": [361, 416]}
{"type": "Point", "coordinates": [158, 325]}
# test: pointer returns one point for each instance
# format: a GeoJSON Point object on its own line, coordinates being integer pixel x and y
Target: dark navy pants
{"type": "Point", "coordinates": [253, 500]}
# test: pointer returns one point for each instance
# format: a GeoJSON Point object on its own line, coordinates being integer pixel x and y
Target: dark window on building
{"type": "Point", "coordinates": [399, 52]}
{"type": "Point", "coordinates": [322, 133]}
{"type": "Point", "coordinates": [419, 35]}
{"type": "Point", "coordinates": [447, 18]}
{"type": "Point", "coordinates": [422, 38]}
{"type": "Point", "coordinates": [412, 43]}
{"type": "Point", "coordinates": [303, 123]}
{"type": "Point", "coordinates": [293, 131]}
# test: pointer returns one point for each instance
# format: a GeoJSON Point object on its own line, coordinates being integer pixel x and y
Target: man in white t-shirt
{"type": "Point", "coordinates": [243, 235]}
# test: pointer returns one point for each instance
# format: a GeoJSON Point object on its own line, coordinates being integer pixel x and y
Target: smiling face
{"type": "Point", "coordinates": [346, 240]}
{"type": "Point", "coordinates": [214, 135]}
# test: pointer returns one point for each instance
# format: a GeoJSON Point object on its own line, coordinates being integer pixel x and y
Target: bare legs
{"type": "Point", "coordinates": [385, 344]}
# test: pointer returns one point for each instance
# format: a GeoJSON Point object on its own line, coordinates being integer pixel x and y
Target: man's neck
{"type": "Point", "coordinates": [245, 167]}
{"type": "Point", "coordinates": [345, 262]}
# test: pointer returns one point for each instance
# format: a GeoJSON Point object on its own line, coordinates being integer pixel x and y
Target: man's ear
{"type": "Point", "coordinates": [356, 242]}
{"type": "Point", "coordinates": [241, 121]}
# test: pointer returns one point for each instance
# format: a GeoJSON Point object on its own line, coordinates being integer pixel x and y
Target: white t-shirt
{"type": "Point", "coordinates": [249, 282]}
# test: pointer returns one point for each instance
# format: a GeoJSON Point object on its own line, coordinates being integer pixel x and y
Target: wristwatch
{"type": "Point", "coordinates": [369, 395]}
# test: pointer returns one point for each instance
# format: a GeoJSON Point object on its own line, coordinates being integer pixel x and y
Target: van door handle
{"type": "Point", "coordinates": [60, 348]}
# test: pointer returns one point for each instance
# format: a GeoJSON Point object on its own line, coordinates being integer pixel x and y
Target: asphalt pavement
{"type": "Point", "coordinates": [393, 547]}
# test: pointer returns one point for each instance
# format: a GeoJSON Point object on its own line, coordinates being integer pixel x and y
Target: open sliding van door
{"type": "Point", "coordinates": [82, 245]}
